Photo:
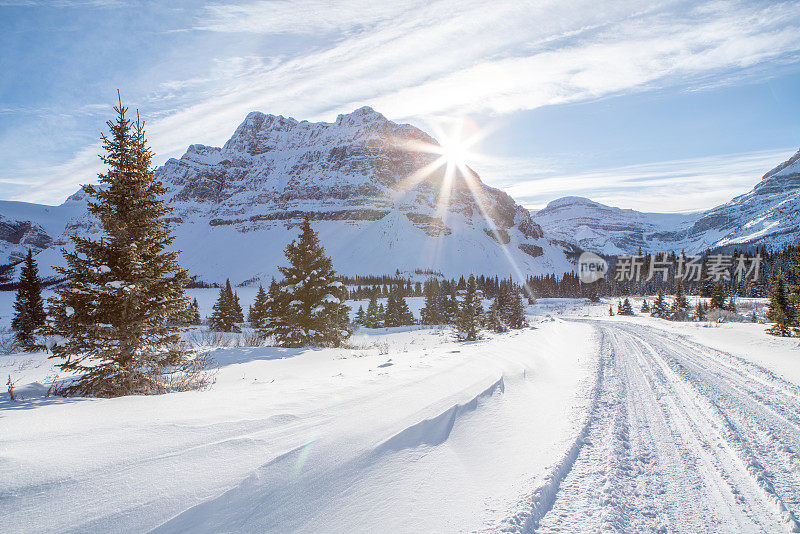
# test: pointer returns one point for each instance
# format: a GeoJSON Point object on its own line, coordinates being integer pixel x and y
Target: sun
{"type": "Point", "coordinates": [454, 151]}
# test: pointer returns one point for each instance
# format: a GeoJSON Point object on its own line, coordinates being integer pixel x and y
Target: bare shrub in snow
{"type": "Point", "coordinates": [8, 342]}
{"type": "Point", "coordinates": [718, 315]}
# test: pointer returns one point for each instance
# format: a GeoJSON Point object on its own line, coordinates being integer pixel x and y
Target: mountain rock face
{"type": "Point", "coordinates": [766, 215]}
{"type": "Point", "coordinates": [361, 182]}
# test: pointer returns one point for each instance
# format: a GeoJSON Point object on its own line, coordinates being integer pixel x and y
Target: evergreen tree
{"type": "Point", "coordinates": [360, 315]}
{"type": "Point", "coordinates": [381, 316]}
{"type": "Point", "coordinates": [259, 311]}
{"type": "Point", "coordinates": [700, 311]}
{"type": "Point", "coordinates": [314, 313]}
{"type": "Point", "coordinates": [433, 312]}
{"type": "Point", "coordinates": [611, 310]}
{"type": "Point", "coordinates": [372, 317]}
{"type": "Point", "coordinates": [392, 314]}
{"type": "Point", "coordinates": [731, 306]}
{"type": "Point", "coordinates": [404, 315]}
{"type": "Point", "coordinates": [470, 312]}
{"type": "Point", "coordinates": [680, 306]}
{"type": "Point", "coordinates": [718, 296]}
{"type": "Point", "coordinates": [514, 309]}
{"type": "Point", "coordinates": [625, 308]}
{"type": "Point", "coordinates": [275, 309]}
{"type": "Point", "coordinates": [659, 308]}
{"type": "Point", "coordinates": [194, 313]}
{"type": "Point", "coordinates": [780, 311]}
{"type": "Point", "coordinates": [224, 314]}
{"type": "Point", "coordinates": [237, 307]}
{"type": "Point", "coordinates": [680, 303]}
{"type": "Point", "coordinates": [493, 320]}
{"type": "Point", "coordinates": [645, 307]}
{"type": "Point", "coordinates": [29, 313]}
{"type": "Point", "coordinates": [115, 312]}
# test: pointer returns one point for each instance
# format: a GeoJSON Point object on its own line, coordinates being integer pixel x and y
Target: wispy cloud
{"type": "Point", "coordinates": [678, 186]}
{"type": "Point", "coordinates": [412, 59]}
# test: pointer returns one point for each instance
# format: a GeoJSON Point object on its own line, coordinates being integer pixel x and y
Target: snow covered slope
{"type": "Point", "coordinates": [236, 207]}
{"type": "Point", "coordinates": [766, 215]}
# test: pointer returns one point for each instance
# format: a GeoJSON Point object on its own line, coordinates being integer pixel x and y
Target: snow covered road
{"type": "Point", "coordinates": [684, 438]}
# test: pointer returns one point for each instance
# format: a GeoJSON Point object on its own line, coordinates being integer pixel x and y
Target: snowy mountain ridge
{"type": "Point", "coordinates": [359, 181]}
{"type": "Point", "coordinates": [766, 215]}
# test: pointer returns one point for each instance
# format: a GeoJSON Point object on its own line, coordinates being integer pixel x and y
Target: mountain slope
{"type": "Point", "coordinates": [236, 206]}
{"type": "Point", "coordinates": [766, 215]}
{"type": "Point", "coordinates": [600, 228]}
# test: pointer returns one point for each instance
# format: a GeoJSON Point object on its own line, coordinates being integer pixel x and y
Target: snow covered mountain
{"type": "Point", "coordinates": [766, 215]}
{"type": "Point", "coordinates": [600, 228]}
{"type": "Point", "coordinates": [358, 179]}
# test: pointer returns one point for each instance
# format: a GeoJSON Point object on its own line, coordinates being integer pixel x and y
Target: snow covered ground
{"type": "Point", "coordinates": [581, 423]}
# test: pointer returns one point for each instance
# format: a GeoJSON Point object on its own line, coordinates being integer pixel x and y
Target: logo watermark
{"type": "Point", "coordinates": [714, 268]}
{"type": "Point", "coordinates": [591, 267]}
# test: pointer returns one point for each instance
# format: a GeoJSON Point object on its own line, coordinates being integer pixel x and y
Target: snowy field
{"type": "Point", "coordinates": [581, 423]}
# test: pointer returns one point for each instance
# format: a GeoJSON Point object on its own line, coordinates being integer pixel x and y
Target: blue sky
{"type": "Point", "coordinates": [671, 106]}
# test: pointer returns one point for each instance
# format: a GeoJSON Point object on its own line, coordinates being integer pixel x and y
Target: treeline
{"type": "Point", "coordinates": [657, 273]}
{"type": "Point", "coordinates": [459, 304]}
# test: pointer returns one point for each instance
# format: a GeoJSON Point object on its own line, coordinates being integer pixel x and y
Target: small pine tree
{"type": "Point", "coordinates": [360, 315]}
{"type": "Point", "coordinates": [680, 303]}
{"type": "Point", "coordinates": [116, 310]}
{"type": "Point", "coordinates": [493, 320]}
{"type": "Point", "coordinates": [611, 311]}
{"type": "Point", "coordinates": [313, 313]}
{"type": "Point", "coordinates": [392, 314]}
{"type": "Point", "coordinates": [194, 313]}
{"type": "Point", "coordinates": [645, 307]}
{"type": "Point", "coordinates": [514, 310]}
{"type": "Point", "coordinates": [238, 313]}
{"type": "Point", "coordinates": [625, 308]}
{"type": "Point", "coordinates": [259, 311]}
{"type": "Point", "coordinates": [718, 297]}
{"type": "Point", "coordinates": [381, 316]}
{"type": "Point", "coordinates": [433, 312]}
{"type": "Point", "coordinates": [780, 311]}
{"type": "Point", "coordinates": [404, 315]}
{"type": "Point", "coordinates": [372, 317]}
{"type": "Point", "coordinates": [659, 308]}
{"type": "Point", "coordinates": [700, 311]}
{"type": "Point", "coordinates": [29, 313]}
{"type": "Point", "coordinates": [224, 314]}
{"type": "Point", "coordinates": [470, 312]}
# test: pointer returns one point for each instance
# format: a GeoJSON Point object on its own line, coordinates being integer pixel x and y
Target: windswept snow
{"type": "Point", "coordinates": [582, 423]}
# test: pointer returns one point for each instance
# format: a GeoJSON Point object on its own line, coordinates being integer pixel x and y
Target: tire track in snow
{"type": "Point", "coordinates": [756, 412]}
{"type": "Point", "coordinates": [662, 455]}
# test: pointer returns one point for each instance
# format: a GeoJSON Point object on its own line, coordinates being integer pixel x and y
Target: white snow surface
{"type": "Point", "coordinates": [581, 423]}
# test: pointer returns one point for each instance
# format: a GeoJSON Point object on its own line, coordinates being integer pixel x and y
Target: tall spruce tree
{"type": "Point", "coordinates": [470, 312]}
{"type": "Point", "coordinates": [313, 311]}
{"type": "Point", "coordinates": [123, 291]}
{"type": "Point", "coordinates": [29, 313]}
